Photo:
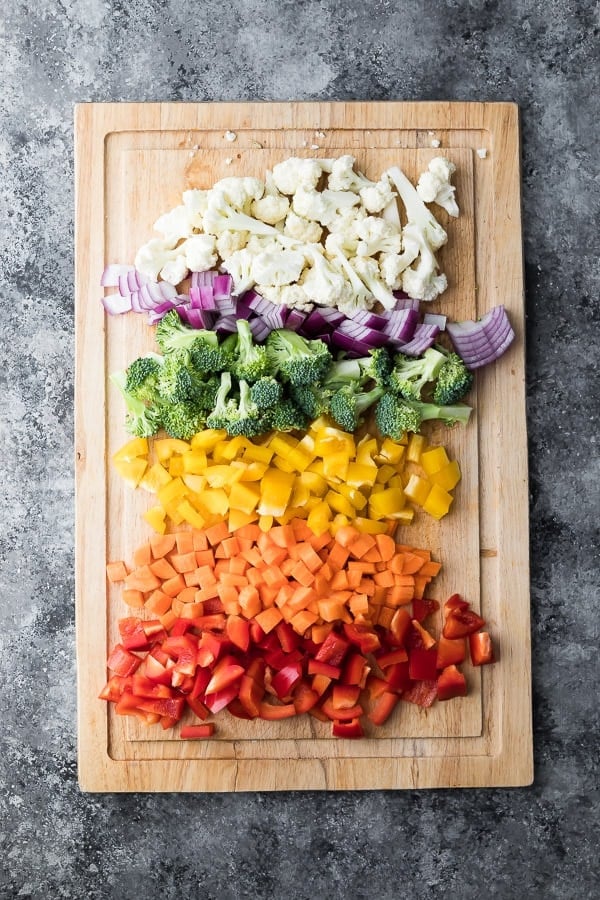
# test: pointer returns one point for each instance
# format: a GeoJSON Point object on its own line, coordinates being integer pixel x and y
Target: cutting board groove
{"type": "Point", "coordinates": [132, 163]}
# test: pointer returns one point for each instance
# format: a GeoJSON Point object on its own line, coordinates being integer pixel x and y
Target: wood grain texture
{"type": "Point", "coordinates": [132, 163]}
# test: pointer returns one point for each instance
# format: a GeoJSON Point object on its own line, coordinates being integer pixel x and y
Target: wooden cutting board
{"type": "Point", "coordinates": [132, 163]}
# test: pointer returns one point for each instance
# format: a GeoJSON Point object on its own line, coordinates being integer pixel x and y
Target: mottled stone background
{"type": "Point", "coordinates": [539, 842]}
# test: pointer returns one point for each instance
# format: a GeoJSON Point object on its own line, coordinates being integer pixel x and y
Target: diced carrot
{"type": "Point", "coordinates": [173, 585]}
{"type": "Point", "coordinates": [301, 598]}
{"type": "Point", "coordinates": [346, 535]}
{"type": "Point", "coordinates": [205, 558]}
{"type": "Point", "coordinates": [398, 596]}
{"type": "Point", "coordinates": [229, 596]}
{"type": "Point", "coordinates": [430, 568]}
{"type": "Point", "coordinates": [184, 562]}
{"type": "Point", "coordinates": [384, 579]}
{"type": "Point", "coordinates": [135, 599]}
{"type": "Point", "coordinates": [338, 556]}
{"type": "Point", "coordinates": [283, 536]}
{"type": "Point", "coordinates": [187, 595]}
{"type": "Point", "coordinates": [162, 568]}
{"type": "Point", "coordinates": [143, 580]}
{"type": "Point", "coordinates": [412, 563]}
{"type": "Point", "coordinates": [309, 556]}
{"type": "Point", "coordinates": [158, 602]}
{"type": "Point", "coordinates": [116, 571]}
{"type": "Point", "coordinates": [142, 556]}
{"type": "Point", "coordinates": [199, 540]}
{"type": "Point", "coordinates": [274, 554]}
{"type": "Point", "coordinates": [362, 545]}
{"type": "Point", "coordinates": [332, 610]}
{"type": "Point", "coordinates": [185, 542]}
{"type": "Point", "coordinates": [321, 585]}
{"type": "Point", "coordinates": [386, 546]}
{"type": "Point", "coordinates": [358, 604]}
{"type": "Point", "coordinates": [372, 556]}
{"type": "Point", "coordinates": [268, 619]}
{"type": "Point", "coordinates": [320, 541]}
{"type": "Point", "coordinates": [191, 610]}
{"type": "Point", "coordinates": [301, 530]}
{"type": "Point", "coordinates": [167, 620]}
{"type": "Point", "coordinates": [228, 548]}
{"type": "Point", "coordinates": [404, 580]}
{"type": "Point", "coordinates": [421, 582]}
{"type": "Point", "coordinates": [340, 582]}
{"type": "Point", "coordinates": [318, 633]}
{"type": "Point", "coordinates": [252, 557]}
{"type": "Point", "coordinates": [217, 533]}
{"type": "Point", "coordinates": [176, 607]}
{"type": "Point", "coordinates": [205, 576]}
{"type": "Point", "coordinates": [366, 586]}
{"type": "Point", "coordinates": [249, 601]}
{"type": "Point", "coordinates": [302, 621]}
{"type": "Point", "coordinates": [238, 565]}
{"type": "Point", "coordinates": [162, 544]}
{"type": "Point", "coordinates": [267, 595]}
{"type": "Point", "coordinates": [302, 574]}
{"type": "Point", "coordinates": [386, 614]}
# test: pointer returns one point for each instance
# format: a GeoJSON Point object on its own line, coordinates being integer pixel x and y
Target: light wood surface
{"type": "Point", "coordinates": [132, 163]}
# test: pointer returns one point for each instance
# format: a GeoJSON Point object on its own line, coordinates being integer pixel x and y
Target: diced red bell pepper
{"type": "Point", "coordinates": [184, 649]}
{"type": "Point", "coordinates": [461, 623]}
{"type": "Point", "coordinates": [154, 630]}
{"type": "Point", "coordinates": [237, 709]}
{"type": "Point", "coordinates": [419, 637]}
{"type": "Point", "coordinates": [209, 649]}
{"type": "Point", "coordinates": [256, 633]}
{"type": "Point", "coordinates": [122, 662]}
{"type": "Point", "coordinates": [350, 729]}
{"type": "Point", "coordinates": [318, 713]}
{"type": "Point", "coordinates": [383, 708]}
{"type": "Point", "coordinates": [454, 602]}
{"type": "Point", "coordinates": [317, 667]}
{"type": "Point", "coordinates": [250, 695]}
{"type": "Point", "coordinates": [422, 664]}
{"type": "Point", "coordinates": [256, 670]}
{"type": "Point", "coordinates": [212, 607]}
{"type": "Point", "coordinates": [333, 712]}
{"type": "Point", "coordinates": [156, 671]}
{"type": "Point", "coordinates": [167, 722]}
{"type": "Point", "coordinates": [114, 687]}
{"type": "Point", "coordinates": [333, 649]}
{"type": "Point", "coordinates": [197, 732]}
{"type": "Point", "coordinates": [286, 679]}
{"type": "Point", "coordinates": [481, 648]}
{"type": "Point", "coordinates": [423, 608]}
{"type": "Point", "coordinates": [391, 657]}
{"type": "Point", "coordinates": [304, 697]}
{"type": "Point", "coordinates": [397, 677]}
{"type": "Point", "coordinates": [450, 652]}
{"type": "Point", "coordinates": [288, 638]}
{"type": "Point", "coordinates": [198, 708]}
{"type": "Point", "coordinates": [273, 713]}
{"type": "Point", "coordinates": [362, 637]}
{"type": "Point", "coordinates": [320, 683]}
{"type": "Point", "coordinates": [400, 626]}
{"type": "Point", "coordinates": [142, 686]}
{"type": "Point", "coordinates": [451, 683]}
{"type": "Point", "coordinates": [345, 696]}
{"type": "Point", "coordinates": [226, 672]}
{"type": "Point", "coordinates": [201, 679]}
{"type": "Point", "coordinates": [422, 693]}
{"type": "Point", "coordinates": [376, 686]}
{"type": "Point", "coordinates": [277, 659]}
{"type": "Point", "coordinates": [220, 699]}
{"type": "Point", "coordinates": [162, 706]}
{"type": "Point", "coordinates": [210, 623]}
{"type": "Point", "coordinates": [133, 636]}
{"type": "Point", "coordinates": [355, 670]}
{"type": "Point", "coordinates": [181, 626]}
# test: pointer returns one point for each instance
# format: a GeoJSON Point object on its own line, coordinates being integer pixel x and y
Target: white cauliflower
{"type": "Point", "coordinates": [423, 282]}
{"type": "Point", "coordinates": [230, 241]}
{"type": "Point", "coordinates": [367, 270]}
{"type": "Point", "coordinates": [322, 206]}
{"type": "Point", "coordinates": [199, 252]}
{"type": "Point", "coordinates": [153, 256]}
{"type": "Point", "coordinates": [270, 208]}
{"type": "Point", "coordinates": [196, 202]}
{"type": "Point", "coordinates": [303, 230]}
{"type": "Point", "coordinates": [324, 284]}
{"type": "Point", "coordinates": [434, 185]}
{"type": "Point", "coordinates": [416, 211]}
{"type": "Point", "coordinates": [175, 224]}
{"type": "Point", "coordinates": [374, 195]}
{"type": "Point", "coordinates": [239, 266]}
{"type": "Point", "coordinates": [175, 270]}
{"type": "Point", "coordinates": [239, 192]}
{"type": "Point", "coordinates": [277, 266]}
{"type": "Point", "coordinates": [291, 295]}
{"type": "Point", "coordinates": [375, 235]}
{"type": "Point", "coordinates": [295, 172]}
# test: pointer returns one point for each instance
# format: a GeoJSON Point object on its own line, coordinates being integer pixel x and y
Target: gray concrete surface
{"type": "Point", "coordinates": [539, 842]}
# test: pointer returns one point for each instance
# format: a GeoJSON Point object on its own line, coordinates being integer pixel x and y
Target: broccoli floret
{"type": "Point", "coordinates": [176, 379]}
{"type": "Point", "coordinates": [395, 416]}
{"type": "Point", "coordinates": [182, 420]}
{"type": "Point", "coordinates": [173, 334]}
{"type": "Point", "coordinates": [141, 377]}
{"type": "Point", "coordinates": [313, 399]}
{"type": "Point", "coordinates": [249, 421]}
{"type": "Point", "coordinates": [251, 360]}
{"type": "Point", "coordinates": [342, 372]}
{"type": "Point", "coordinates": [205, 392]}
{"type": "Point", "coordinates": [266, 392]}
{"type": "Point", "coordinates": [350, 403]}
{"type": "Point", "coordinates": [377, 365]}
{"type": "Point", "coordinates": [454, 380]}
{"type": "Point", "coordinates": [140, 420]}
{"type": "Point", "coordinates": [225, 408]}
{"type": "Point", "coordinates": [296, 359]}
{"type": "Point", "coordinates": [411, 373]}
{"type": "Point", "coordinates": [207, 359]}
{"type": "Point", "coordinates": [287, 416]}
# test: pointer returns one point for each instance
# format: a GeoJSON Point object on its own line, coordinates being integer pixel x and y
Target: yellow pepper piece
{"type": "Point", "coordinates": [281, 462]}
{"type": "Point", "coordinates": [276, 490]}
{"type": "Point", "coordinates": [391, 452]}
{"type": "Point", "coordinates": [416, 446]}
{"type": "Point", "coordinates": [386, 504]}
{"type": "Point", "coordinates": [300, 494]}
{"type": "Point", "coordinates": [214, 501]}
{"type": "Point", "coordinates": [417, 489]}
{"type": "Point", "coordinates": [359, 475]}
{"type": "Point", "coordinates": [131, 450]}
{"type": "Point", "coordinates": [233, 448]}
{"type": "Point", "coordinates": [256, 453]}
{"type": "Point", "coordinates": [265, 523]}
{"type": "Point", "coordinates": [208, 439]}
{"type": "Point", "coordinates": [340, 504]}
{"type": "Point", "coordinates": [194, 462]}
{"type": "Point", "coordinates": [370, 526]}
{"type": "Point", "coordinates": [196, 483]}
{"type": "Point", "coordinates": [354, 496]}
{"type": "Point", "coordinates": [405, 516]}
{"type": "Point", "coordinates": [220, 476]}
{"type": "Point", "coordinates": [366, 450]}
{"type": "Point", "coordinates": [434, 460]}
{"type": "Point", "coordinates": [282, 443]}
{"type": "Point", "coordinates": [244, 497]}
{"type": "Point", "coordinates": [155, 517]}
{"type": "Point", "coordinates": [237, 519]}
{"type": "Point", "coordinates": [384, 473]}
{"type": "Point", "coordinates": [174, 490]}
{"type": "Point", "coordinates": [448, 477]}
{"type": "Point", "coordinates": [155, 477]}
{"type": "Point", "coordinates": [131, 470]}
{"type": "Point", "coordinates": [190, 515]}
{"type": "Point", "coordinates": [335, 465]}
{"type": "Point", "coordinates": [438, 502]}
{"type": "Point", "coordinates": [175, 465]}
{"type": "Point", "coordinates": [314, 483]}
{"type": "Point", "coordinates": [166, 447]}
{"type": "Point", "coordinates": [254, 471]}
{"type": "Point", "coordinates": [319, 518]}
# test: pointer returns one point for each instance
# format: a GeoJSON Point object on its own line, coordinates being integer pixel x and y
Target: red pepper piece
{"type": "Point", "coordinates": [422, 693]}
{"type": "Point", "coordinates": [362, 637]}
{"type": "Point", "coordinates": [122, 662]}
{"type": "Point", "coordinates": [142, 686]}
{"type": "Point", "coordinates": [400, 626]}
{"type": "Point", "coordinates": [451, 683]}
{"type": "Point", "coordinates": [481, 648]}
{"type": "Point", "coordinates": [397, 677]}
{"type": "Point", "coordinates": [197, 732]}
{"type": "Point", "coordinates": [273, 713]}
{"type": "Point", "coordinates": [461, 623]}
{"type": "Point", "coordinates": [216, 622]}
{"type": "Point", "coordinates": [376, 686]}
{"type": "Point", "coordinates": [332, 712]}
{"type": "Point", "coordinates": [184, 649]}
{"type": "Point", "coordinates": [286, 679]}
{"type": "Point", "coordinates": [220, 699]}
{"type": "Point", "coordinates": [391, 658]}
{"type": "Point", "coordinates": [226, 672]}
{"type": "Point", "coordinates": [304, 697]}
{"type": "Point", "coordinates": [351, 729]}
{"type": "Point", "coordinates": [251, 695]}
{"type": "Point", "coordinates": [156, 671]}
{"type": "Point", "coordinates": [355, 670]}
{"type": "Point", "coordinates": [197, 707]}
{"type": "Point", "coordinates": [383, 708]}
{"type": "Point", "coordinates": [172, 706]}
{"type": "Point", "coordinates": [345, 696]}
{"type": "Point", "coordinates": [288, 638]}
{"type": "Point", "coordinates": [423, 608]}
{"type": "Point", "coordinates": [454, 602]}
{"type": "Point", "coordinates": [277, 659]}
{"type": "Point", "coordinates": [201, 679]}
{"type": "Point", "coordinates": [333, 649]}
{"type": "Point", "coordinates": [238, 632]}
{"type": "Point", "coordinates": [114, 687]}
{"type": "Point", "coordinates": [237, 709]}
{"type": "Point", "coordinates": [212, 606]}
{"type": "Point", "coordinates": [133, 636]}
{"type": "Point", "coordinates": [317, 667]}
{"type": "Point", "coordinates": [209, 649]}
{"type": "Point", "coordinates": [181, 626]}
{"type": "Point", "coordinates": [422, 664]}
{"type": "Point", "coordinates": [450, 652]}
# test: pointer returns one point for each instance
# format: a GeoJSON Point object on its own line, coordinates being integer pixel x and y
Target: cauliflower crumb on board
{"type": "Point", "coordinates": [311, 232]}
{"type": "Point", "coordinates": [482, 153]}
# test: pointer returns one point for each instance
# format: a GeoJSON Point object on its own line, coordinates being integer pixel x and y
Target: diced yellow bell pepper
{"type": "Point", "coordinates": [366, 450]}
{"type": "Point", "coordinates": [190, 515]}
{"type": "Point", "coordinates": [435, 459]}
{"type": "Point", "coordinates": [282, 443]}
{"type": "Point", "coordinates": [131, 470]}
{"type": "Point", "coordinates": [175, 465]}
{"type": "Point", "coordinates": [281, 462]}
{"type": "Point", "coordinates": [254, 471]}
{"type": "Point", "coordinates": [299, 458]}
{"type": "Point", "coordinates": [340, 504]}
{"type": "Point", "coordinates": [317, 467]}
{"type": "Point", "coordinates": [448, 477]}
{"type": "Point", "coordinates": [174, 490]}
{"type": "Point", "coordinates": [386, 504]}
{"type": "Point", "coordinates": [258, 453]}
{"type": "Point", "coordinates": [417, 490]}
{"type": "Point", "coordinates": [235, 447]}
{"type": "Point", "coordinates": [356, 497]}
{"type": "Point", "coordinates": [319, 518]}
{"type": "Point", "coordinates": [405, 516]}
{"type": "Point", "coordinates": [131, 450]}
{"type": "Point", "coordinates": [220, 476]}
{"type": "Point", "coordinates": [244, 497]}
{"type": "Point", "coordinates": [155, 477]}
{"type": "Point", "coordinates": [265, 523]}
{"type": "Point", "coordinates": [208, 439]}
{"type": "Point", "coordinates": [314, 483]}
{"type": "Point", "coordinates": [155, 517]}
{"type": "Point", "coordinates": [384, 473]}
{"type": "Point", "coordinates": [396, 481]}
{"type": "Point", "coordinates": [391, 451]}
{"type": "Point", "coordinates": [166, 447]}
{"type": "Point", "coordinates": [438, 502]}
{"type": "Point", "coordinates": [359, 475]}
{"type": "Point", "coordinates": [318, 425]}
{"type": "Point", "coordinates": [215, 501]}
{"type": "Point", "coordinates": [237, 519]}
{"type": "Point", "coordinates": [300, 494]}
{"type": "Point", "coordinates": [416, 446]}
{"type": "Point", "coordinates": [340, 521]}
{"type": "Point", "coordinates": [194, 462]}
{"type": "Point", "coordinates": [196, 483]}
{"type": "Point", "coordinates": [370, 526]}
{"type": "Point", "coordinates": [335, 465]}
{"type": "Point", "coordinates": [275, 492]}
{"type": "Point", "coordinates": [173, 512]}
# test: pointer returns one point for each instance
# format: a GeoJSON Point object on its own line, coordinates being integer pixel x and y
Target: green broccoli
{"type": "Point", "coordinates": [173, 334]}
{"type": "Point", "coordinates": [454, 380]}
{"type": "Point", "coordinates": [313, 399]}
{"type": "Point", "coordinates": [296, 359]}
{"type": "Point", "coordinates": [176, 378]}
{"type": "Point", "coordinates": [395, 416]}
{"type": "Point", "coordinates": [225, 408]}
{"type": "Point", "coordinates": [250, 361]}
{"type": "Point", "coordinates": [182, 420]}
{"type": "Point", "coordinates": [208, 359]}
{"type": "Point", "coordinates": [249, 421]}
{"type": "Point", "coordinates": [140, 420]}
{"type": "Point", "coordinates": [377, 365]}
{"type": "Point", "coordinates": [266, 392]}
{"type": "Point", "coordinates": [141, 377]}
{"type": "Point", "coordinates": [411, 373]}
{"type": "Point", "coordinates": [286, 416]}
{"type": "Point", "coordinates": [350, 403]}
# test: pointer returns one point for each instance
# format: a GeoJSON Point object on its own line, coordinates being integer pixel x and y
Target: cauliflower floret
{"type": "Point", "coordinates": [175, 270]}
{"type": "Point", "coordinates": [303, 230]}
{"type": "Point", "coordinates": [239, 192]}
{"type": "Point", "coordinates": [295, 172]}
{"type": "Point", "coordinates": [434, 185]}
{"type": "Point", "coordinates": [199, 252]}
{"type": "Point", "coordinates": [230, 241]}
{"type": "Point", "coordinates": [375, 235]}
{"type": "Point", "coordinates": [423, 282]}
{"type": "Point", "coordinates": [152, 256]}
{"type": "Point", "coordinates": [196, 202]}
{"type": "Point", "coordinates": [175, 224]}
{"type": "Point", "coordinates": [367, 270]}
{"type": "Point", "coordinates": [277, 266]}
{"type": "Point", "coordinates": [345, 242]}
{"type": "Point", "coordinates": [322, 206]}
{"type": "Point", "coordinates": [270, 208]}
{"type": "Point", "coordinates": [291, 295]}
{"type": "Point", "coordinates": [374, 195]}
{"type": "Point", "coordinates": [324, 284]}
{"type": "Point", "coordinates": [239, 266]}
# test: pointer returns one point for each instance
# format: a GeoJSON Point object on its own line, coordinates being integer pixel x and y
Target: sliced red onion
{"type": "Point", "coordinates": [401, 324]}
{"type": "Point", "coordinates": [226, 305]}
{"type": "Point", "coordinates": [480, 343]}
{"type": "Point", "coordinates": [197, 318]}
{"type": "Point", "coordinates": [434, 319]}
{"type": "Point", "coordinates": [225, 325]}
{"type": "Point", "coordinates": [203, 279]}
{"type": "Point", "coordinates": [351, 345]}
{"type": "Point", "coordinates": [423, 338]}
{"type": "Point", "coordinates": [295, 319]}
{"type": "Point", "coordinates": [112, 273]}
{"type": "Point", "coordinates": [260, 329]}
{"type": "Point", "coordinates": [332, 316]}
{"type": "Point", "coordinates": [116, 304]}
{"type": "Point", "coordinates": [222, 285]}
{"type": "Point", "coordinates": [316, 322]}
{"type": "Point", "coordinates": [371, 319]}
{"type": "Point", "coordinates": [276, 317]}
{"type": "Point", "coordinates": [403, 301]}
